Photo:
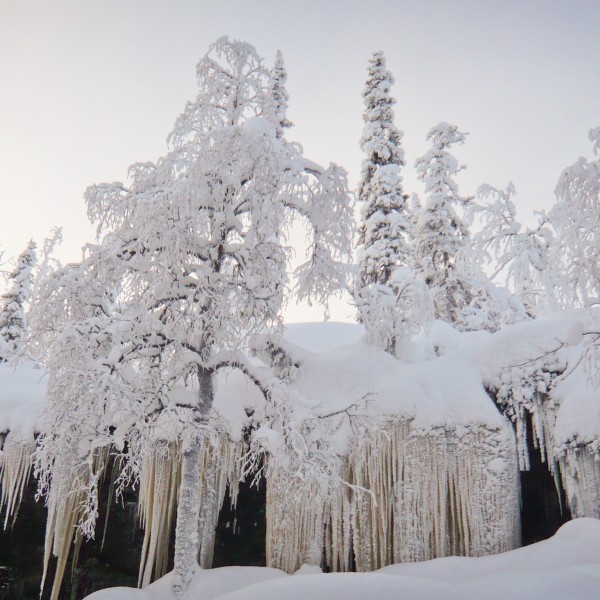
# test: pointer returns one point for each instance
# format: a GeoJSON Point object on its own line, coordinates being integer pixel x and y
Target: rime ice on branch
{"type": "Point", "coordinates": [576, 220]}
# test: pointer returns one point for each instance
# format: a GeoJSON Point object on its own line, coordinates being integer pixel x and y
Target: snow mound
{"type": "Point", "coordinates": [317, 337]}
{"type": "Point", "coordinates": [354, 586]}
{"type": "Point", "coordinates": [564, 566]}
{"type": "Point", "coordinates": [22, 398]}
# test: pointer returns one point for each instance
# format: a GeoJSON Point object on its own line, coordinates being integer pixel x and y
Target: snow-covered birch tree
{"type": "Point", "coordinates": [516, 257]}
{"type": "Point", "coordinates": [385, 289]}
{"type": "Point", "coordinates": [576, 219]}
{"type": "Point", "coordinates": [196, 249]}
{"type": "Point", "coordinates": [12, 303]}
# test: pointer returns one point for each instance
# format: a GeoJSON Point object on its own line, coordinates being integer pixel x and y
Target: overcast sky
{"type": "Point", "coordinates": [90, 87]}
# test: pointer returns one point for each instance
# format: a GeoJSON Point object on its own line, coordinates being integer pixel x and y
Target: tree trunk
{"type": "Point", "coordinates": [186, 531]}
{"type": "Point", "coordinates": [188, 512]}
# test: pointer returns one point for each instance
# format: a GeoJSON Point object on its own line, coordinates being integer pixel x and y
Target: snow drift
{"type": "Point", "coordinates": [565, 566]}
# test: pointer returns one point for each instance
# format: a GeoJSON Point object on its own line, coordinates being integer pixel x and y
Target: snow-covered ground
{"type": "Point", "coordinates": [564, 567]}
{"type": "Point", "coordinates": [22, 398]}
{"type": "Point", "coordinates": [443, 362]}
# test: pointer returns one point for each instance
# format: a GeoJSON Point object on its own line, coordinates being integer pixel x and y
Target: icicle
{"type": "Point", "coordinates": [411, 495]}
{"type": "Point", "coordinates": [15, 468]}
{"type": "Point", "coordinates": [159, 485]}
{"type": "Point", "coordinates": [66, 499]}
{"type": "Point", "coordinates": [522, 449]}
{"type": "Point", "coordinates": [580, 471]}
{"type": "Point", "coordinates": [221, 469]}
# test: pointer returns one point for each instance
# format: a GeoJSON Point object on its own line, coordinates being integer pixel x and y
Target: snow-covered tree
{"type": "Point", "coordinates": [196, 251]}
{"type": "Point", "coordinates": [12, 303]}
{"type": "Point", "coordinates": [384, 229]}
{"type": "Point", "coordinates": [279, 95]}
{"type": "Point", "coordinates": [441, 234]}
{"type": "Point", "coordinates": [576, 220]}
{"type": "Point", "coordinates": [384, 291]}
{"type": "Point", "coordinates": [517, 257]}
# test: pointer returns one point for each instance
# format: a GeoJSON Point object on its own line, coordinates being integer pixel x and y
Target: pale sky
{"type": "Point", "coordinates": [90, 87]}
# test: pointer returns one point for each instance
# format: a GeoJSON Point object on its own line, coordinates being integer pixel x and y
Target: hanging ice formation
{"type": "Point", "coordinates": [530, 391]}
{"type": "Point", "coordinates": [15, 467]}
{"type": "Point", "coordinates": [408, 495]}
{"type": "Point", "coordinates": [158, 495]}
{"type": "Point", "coordinates": [524, 391]}
{"type": "Point", "coordinates": [580, 472]}
{"type": "Point", "coordinates": [159, 483]}
{"type": "Point", "coordinates": [159, 486]}
{"type": "Point", "coordinates": [66, 500]}
{"type": "Point", "coordinates": [308, 519]}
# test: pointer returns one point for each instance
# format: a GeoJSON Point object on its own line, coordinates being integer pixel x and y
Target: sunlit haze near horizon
{"type": "Point", "coordinates": [88, 88]}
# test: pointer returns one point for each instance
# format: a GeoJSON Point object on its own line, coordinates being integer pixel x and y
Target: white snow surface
{"type": "Point", "coordinates": [316, 337]}
{"type": "Point", "coordinates": [338, 371]}
{"type": "Point", "coordinates": [22, 398]}
{"type": "Point", "coordinates": [575, 391]}
{"type": "Point", "coordinates": [564, 566]}
{"type": "Point", "coordinates": [441, 385]}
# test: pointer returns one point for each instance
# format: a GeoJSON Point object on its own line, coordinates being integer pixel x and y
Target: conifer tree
{"type": "Point", "coordinates": [383, 282]}
{"type": "Point", "coordinates": [279, 95]}
{"type": "Point", "coordinates": [12, 302]}
{"type": "Point", "coordinates": [441, 234]}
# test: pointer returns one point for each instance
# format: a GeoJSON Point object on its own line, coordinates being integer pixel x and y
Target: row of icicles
{"type": "Point", "coordinates": [402, 495]}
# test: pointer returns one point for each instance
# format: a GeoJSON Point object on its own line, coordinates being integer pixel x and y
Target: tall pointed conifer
{"type": "Point", "coordinates": [441, 234]}
{"type": "Point", "coordinates": [12, 302]}
{"type": "Point", "coordinates": [384, 249]}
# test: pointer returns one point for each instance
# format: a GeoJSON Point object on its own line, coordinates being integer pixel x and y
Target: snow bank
{"type": "Point", "coordinates": [338, 370]}
{"type": "Point", "coordinates": [317, 337]}
{"type": "Point", "coordinates": [565, 566]}
{"type": "Point", "coordinates": [22, 398]}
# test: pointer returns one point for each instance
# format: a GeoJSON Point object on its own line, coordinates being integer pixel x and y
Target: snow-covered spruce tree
{"type": "Point", "coordinates": [196, 248]}
{"type": "Point", "coordinates": [441, 234]}
{"type": "Point", "coordinates": [576, 219]}
{"type": "Point", "coordinates": [385, 290]}
{"type": "Point", "coordinates": [12, 303]}
{"type": "Point", "coordinates": [279, 95]}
